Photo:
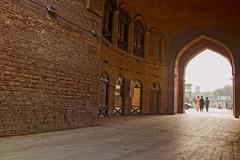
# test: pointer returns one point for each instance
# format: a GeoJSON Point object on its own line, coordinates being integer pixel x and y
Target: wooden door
{"type": "Point", "coordinates": [154, 102]}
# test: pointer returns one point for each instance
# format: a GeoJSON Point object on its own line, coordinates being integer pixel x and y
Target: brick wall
{"type": "Point", "coordinates": [48, 66]}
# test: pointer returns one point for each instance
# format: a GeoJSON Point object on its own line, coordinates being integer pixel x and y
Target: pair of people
{"type": "Point", "coordinates": [199, 103]}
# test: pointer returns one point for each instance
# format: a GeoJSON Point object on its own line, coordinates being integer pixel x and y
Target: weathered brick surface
{"type": "Point", "coordinates": [132, 68]}
{"type": "Point", "coordinates": [48, 66]}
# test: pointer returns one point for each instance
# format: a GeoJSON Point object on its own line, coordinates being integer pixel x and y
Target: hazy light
{"type": "Point", "coordinates": [209, 70]}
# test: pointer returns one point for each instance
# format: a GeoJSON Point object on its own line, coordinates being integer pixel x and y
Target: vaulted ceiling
{"type": "Point", "coordinates": [178, 9]}
{"type": "Point", "coordinates": [178, 15]}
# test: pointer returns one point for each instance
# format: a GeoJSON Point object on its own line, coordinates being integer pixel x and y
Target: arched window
{"type": "Point", "coordinates": [119, 97]}
{"type": "Point", "coordinates": [139, 39]}
{"type": "Point", "coordinates": [123, 30]}
{"type": "Point", "coordinates": [103, 108]}
{"type": "Point", "coordinates": [108, 20]}
{"type": "Point", "coordinates": [136, 89]}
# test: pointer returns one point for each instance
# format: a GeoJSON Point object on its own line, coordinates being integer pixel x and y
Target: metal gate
{"type": "Point", "coordinates": [119, 97]}
{"type": "Point", "coordinates": [103, 108]}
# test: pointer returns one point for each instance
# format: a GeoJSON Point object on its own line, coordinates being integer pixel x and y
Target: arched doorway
{"type": "Point", "coordinates": [208, 74]}
{"type": "Point", "coordinates": [104, 89]}
{"type": "Point", "coordinates": [119, 97]}
{"type": "Point", "coordinates": [136, 91]}
{"type": "Point", "coordinates": [155, 99]}
{"type": "Point", "coordinates": [189, 51]}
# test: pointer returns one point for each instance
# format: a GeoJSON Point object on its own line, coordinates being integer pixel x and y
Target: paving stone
{"type": "Point", "coordinates": [180, 137]}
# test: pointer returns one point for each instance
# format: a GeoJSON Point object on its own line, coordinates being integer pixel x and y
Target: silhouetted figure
{"type": "Point", "coordinates": [207, 103]}
{"type": "Point", "coordinates": [219, 106]}
{"type": "Point", "coordinates": [197, 103]}
{"type": "Point", "coordinates": [201, 104]}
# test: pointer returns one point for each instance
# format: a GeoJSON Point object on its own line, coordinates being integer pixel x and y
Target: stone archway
{"type": "Point", "coordinates": [186, 54]}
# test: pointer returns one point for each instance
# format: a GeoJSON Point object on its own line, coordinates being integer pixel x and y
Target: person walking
{"type": "Point", "coordinates": [195, 103]}
{"type": "Point", "coordinates": [198, 104]}
{"type": "Point", "coordinates": [201, 104]}
{"type": "Point", "coordinates": [207, 103]}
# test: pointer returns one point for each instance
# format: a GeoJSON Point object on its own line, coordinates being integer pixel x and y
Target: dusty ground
{"type": "Point", "coordinates": [192, 136]}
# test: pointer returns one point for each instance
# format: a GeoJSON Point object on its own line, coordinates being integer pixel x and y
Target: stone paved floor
{"type": "Point", "coordinates": [191, 136]}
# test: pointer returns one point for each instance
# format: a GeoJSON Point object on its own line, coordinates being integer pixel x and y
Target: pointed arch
{"type": "Point", "coordinates": [139, 38]}
{"type": "Point", "coordinates": [109, 8]}
{"type": "Point", "coordinates": [123, 28]}
{"type": "Point", "coordinates": [187, 53]}
{"type": "Point", "coordinates": [140, 18]}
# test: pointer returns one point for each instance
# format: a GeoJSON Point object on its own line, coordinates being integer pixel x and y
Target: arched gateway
{"type": "Point", "coordinates": [186, 54]}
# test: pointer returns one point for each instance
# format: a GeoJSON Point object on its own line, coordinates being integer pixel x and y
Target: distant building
{"type": "Point", "coordinates": [224, 102]}
{"type": "Point", "coordinates": [188, 93]}
{"type": "Point", "coordinates": [197, 91]}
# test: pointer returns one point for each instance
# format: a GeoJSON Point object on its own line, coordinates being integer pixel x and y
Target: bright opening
{"type": "Point", "coordinates": [209, 74]}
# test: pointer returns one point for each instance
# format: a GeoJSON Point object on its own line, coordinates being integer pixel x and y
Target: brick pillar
{"type": "Point", "coordinates": [147, 46]}
{"type": "Point", "coordinates": [131, 38]}
{"type": "Point", "coordinates": [163, 49]}
{"type": "Point", "coordinates": [111, 98]}
{"type": "Point", "coordinates": [180, 94]}
{"type": "Point", "coordinates": [128, 100]}
{"type": "Point", "coordinates": [146, 96]}
{"type": "Point", "coordinates": [236, 109]}
{"type": "Point", "coordinates": [115, 28]}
